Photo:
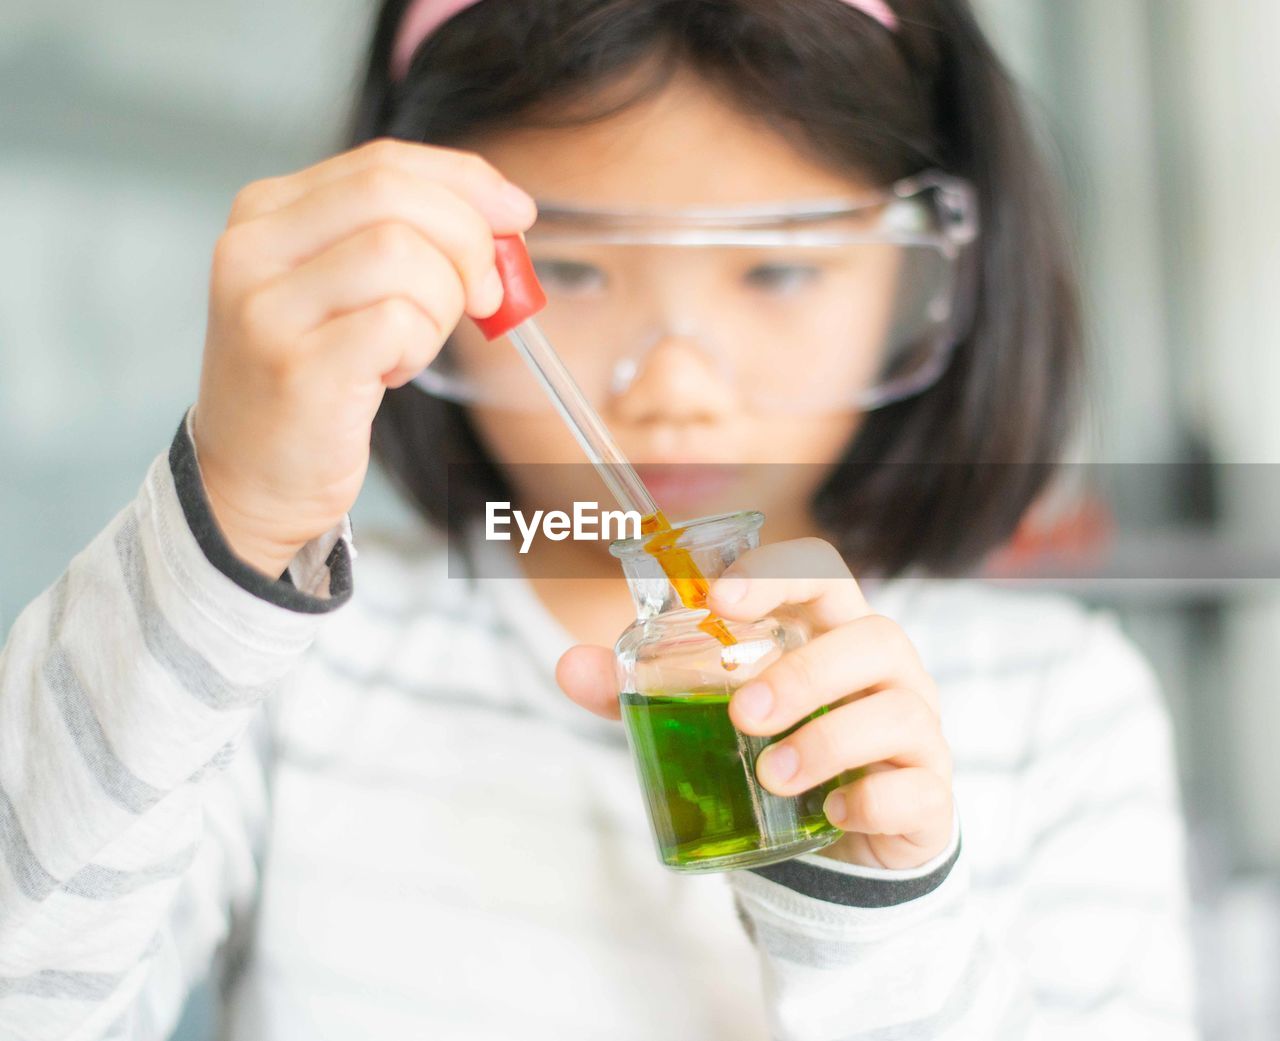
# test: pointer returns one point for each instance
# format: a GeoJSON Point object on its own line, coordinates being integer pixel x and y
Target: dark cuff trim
{"type": "Point", "coordinates": [835, 887]}
{"type": "Point", "coordinates": [281, 593]}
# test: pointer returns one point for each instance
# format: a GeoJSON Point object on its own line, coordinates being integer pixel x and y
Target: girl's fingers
{"type": "Point", "coordinates": [913, 803]}
{"type": "Point", "coordinates": [387, 260]}
{"type": "Point", "coordinates": [891, 726]}
{"type": "Point", "coordinates": [507, 209]}
{"type": "Point", "coordinates": [870, 652]}
{"type": "Point", "coordinates": [337, 210]}
{"type": "Point", "coordinates": [801, 571]}
{"type": "Point", "coordinates": [389, 342]}
{"type": "Point", "coordinates": [586, 674]}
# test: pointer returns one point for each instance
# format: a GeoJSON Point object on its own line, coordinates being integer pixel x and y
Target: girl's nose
{"type": "Point", "coordinates": [677, 381]}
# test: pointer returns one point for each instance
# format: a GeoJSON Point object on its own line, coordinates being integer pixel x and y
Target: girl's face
{"type": "Point", "coordinates": [684, 148]}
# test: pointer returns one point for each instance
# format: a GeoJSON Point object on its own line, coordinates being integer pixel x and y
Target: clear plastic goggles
{"type": "Point", "coordinates": [824, 305]}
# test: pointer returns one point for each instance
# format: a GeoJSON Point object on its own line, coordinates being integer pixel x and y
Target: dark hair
{"type": "Point", "coordinates": [935, 481]}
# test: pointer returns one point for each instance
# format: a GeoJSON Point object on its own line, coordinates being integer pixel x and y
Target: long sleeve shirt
{"type": "Point", "coordinates": [375, 815]}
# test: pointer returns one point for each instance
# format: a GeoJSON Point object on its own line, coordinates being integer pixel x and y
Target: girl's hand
{"type": "Point", "coordinates": [883, 716]}
{"type": "Point", "coordinates": [329, 286]}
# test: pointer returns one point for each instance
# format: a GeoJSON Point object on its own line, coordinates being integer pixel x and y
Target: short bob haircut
{"type": "Point", "coordinates": [932, 483]}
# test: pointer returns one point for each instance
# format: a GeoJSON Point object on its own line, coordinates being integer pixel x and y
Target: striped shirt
{"type": "Point", "coordinates": [377, 816]}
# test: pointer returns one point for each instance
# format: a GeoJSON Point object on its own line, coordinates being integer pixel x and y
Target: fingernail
{"type": "Point", "coordinates": [835, 809]}
{"type": "Point", "coordinates": [519, 201]}
{"type": "Point", "coordinates": [491, 293]}
{"type": "Point", "coordinates": [754, 702]}
{"type": "Point", "coordinates": [780, 763]}
{"type": "Point", "coordinates": [730, 589]}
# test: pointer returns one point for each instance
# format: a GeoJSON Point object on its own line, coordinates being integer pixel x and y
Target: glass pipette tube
{"type": "Point", "coordinates": [582, 420]}
{"type": "Point", "coordinates": [524, 298]}
{"type": "Point", "coordinates": [616, 471]}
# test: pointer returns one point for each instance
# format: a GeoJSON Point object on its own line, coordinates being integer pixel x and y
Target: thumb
{"type": "Point", "coordinates": [586, 674]}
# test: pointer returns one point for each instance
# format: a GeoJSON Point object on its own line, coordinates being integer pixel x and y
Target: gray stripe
{"type": "Point", "coordinates": [190, 668]}
{"type": "Point", "coordinates": [95, 882]}
{"type": "Point", "coordinates": [55, 983]}
{"type": "Point", "coordinates": [607, 733]}
{"type": "Point", "coordinates": [1123, 802]}
{"type": "Point", "coordinates": [220, 761]}
{"type": "Point", "coordinates": [476, 612]}
{"type": "Point", "coordinates": [32, 878]}
{"type": "Point", "coordinates": [1114, 900]}
{"type": "Point", "coordinates": [1100, 809]}
{"type": "Point", "coordinates": [1091, 1004]}
{"type": "Point", "coordinates": [1121, 989]}
{"type": "Point", "coordinates": [123, 788]}
{"type": "Point", "coordinates": [453, 696]}
{"type": "Point", "coordinates": [463, 613]}
{"type": "Point", "coordinates": [945, 673]}
{"type": "Point", "coordinates": [958, 1004]}
{"type": "Point", "coordinates": [360, 776]}
{"type": "Point", "coordinates": [1084, 734]}
{"type": "Point", "coordinates": [72, 700]}
{"type": "Point", "coordinates": [801, 949]}
{"type": "Point", "coordinates": [1043, 666]}
{"type": "Point", "coordinates": [92, 882]}
{"type": "Point", "coordinates": [223, 756]}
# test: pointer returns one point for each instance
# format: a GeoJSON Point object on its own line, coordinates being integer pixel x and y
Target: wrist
{"type": "Point", "coordinates": [320, 569]}
{"type": "Point", "coordinates": [241, 529]}
{"type": "Point", "coordinates": [264, 554]}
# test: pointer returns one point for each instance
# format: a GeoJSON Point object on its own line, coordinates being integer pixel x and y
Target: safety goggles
{"type": "Point", "coordinates": [823, 305]}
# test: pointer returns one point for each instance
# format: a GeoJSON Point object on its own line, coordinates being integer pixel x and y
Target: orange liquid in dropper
{"type": "Point", "coordinates": [690, 584]}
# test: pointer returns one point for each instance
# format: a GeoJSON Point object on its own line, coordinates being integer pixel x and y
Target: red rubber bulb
{"type": "Point", "coordinates": [524, 295]}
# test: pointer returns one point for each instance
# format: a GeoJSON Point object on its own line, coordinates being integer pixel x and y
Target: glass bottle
{"type": "Point", "coordinates": [707, 810]}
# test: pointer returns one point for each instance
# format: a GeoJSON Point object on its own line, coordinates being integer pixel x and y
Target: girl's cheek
{"type": "Point", "coordinates": [519, 437]}
{"type": "Point", "coordinates": [817, 440]}
{"type": "Point", "coordinates": [787, 457]}
{"type": "Point", "coordinates": [520, 442]}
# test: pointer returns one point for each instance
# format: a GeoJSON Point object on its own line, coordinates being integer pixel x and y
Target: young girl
{"type": "Point", "coordinates": [374, 815]}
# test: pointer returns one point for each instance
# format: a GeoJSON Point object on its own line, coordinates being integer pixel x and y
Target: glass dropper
{"type": "Point", "coordinates": [524, 298]}
{"type": "Point", "coordinates": [582, 420]}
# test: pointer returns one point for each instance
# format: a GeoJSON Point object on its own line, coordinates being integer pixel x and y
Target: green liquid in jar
{"type": "Point", "coordinates": [709, 812]}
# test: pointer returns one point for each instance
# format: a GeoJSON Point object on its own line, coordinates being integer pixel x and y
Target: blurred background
{"type": "Point", "coordinates": [128, 127]}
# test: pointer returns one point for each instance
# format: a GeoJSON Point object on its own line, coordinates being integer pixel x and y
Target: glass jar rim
{"type": "Point", "coordinates": [706, 531]}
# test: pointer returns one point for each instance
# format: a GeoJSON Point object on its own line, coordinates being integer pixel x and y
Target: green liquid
{"type": "Point", "coordinates": [709, 813]}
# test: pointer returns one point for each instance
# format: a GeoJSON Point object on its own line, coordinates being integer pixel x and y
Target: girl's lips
{"type": "Point", "coordinates": [679, 486]}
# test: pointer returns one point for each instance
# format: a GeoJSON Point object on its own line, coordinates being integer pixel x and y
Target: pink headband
{"type": "Point", "coordinates": [426, 16]}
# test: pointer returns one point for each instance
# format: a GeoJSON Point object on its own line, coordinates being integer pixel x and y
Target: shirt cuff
{"type": "Point", "coordinates": [851, 885]}
{"type": "Point", "coordinates": [318, 580]}
{"type": "Point", "coordinates": [828, 898]}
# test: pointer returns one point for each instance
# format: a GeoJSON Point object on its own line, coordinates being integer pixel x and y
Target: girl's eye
{"type": "Point", "coordinates": [782, 278]}
{"type": "Point", "coordinates": [570, 276]}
